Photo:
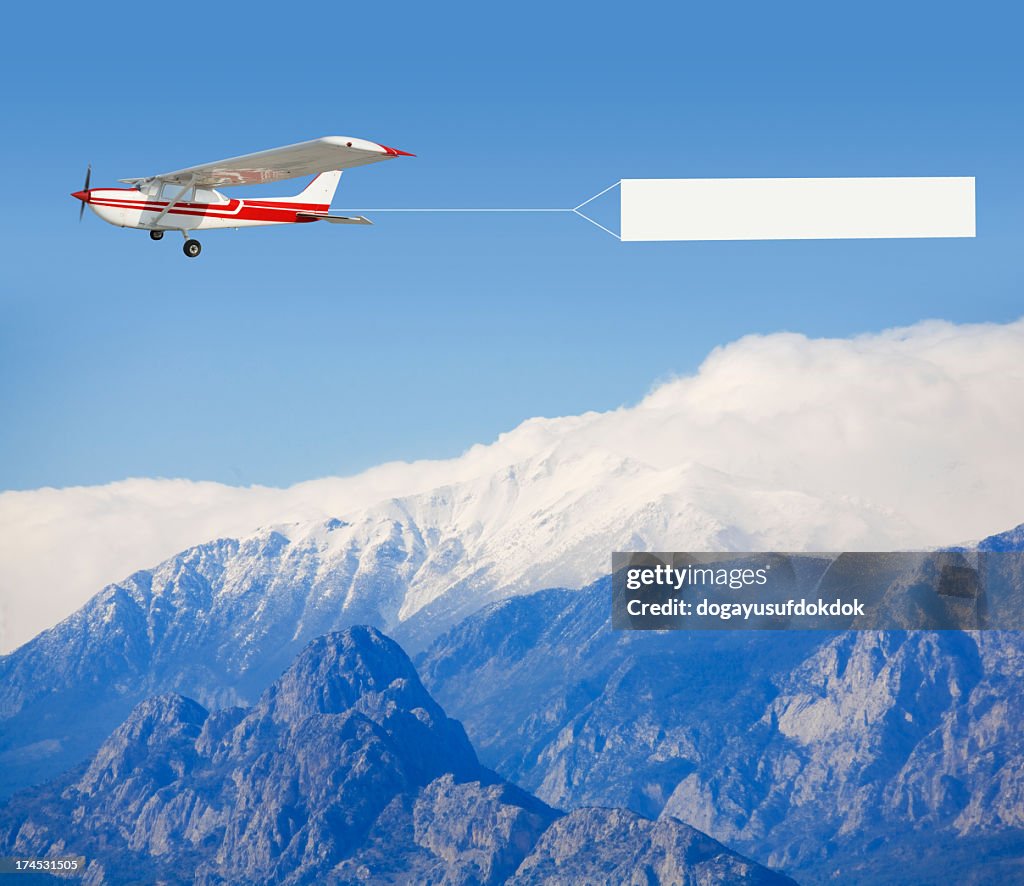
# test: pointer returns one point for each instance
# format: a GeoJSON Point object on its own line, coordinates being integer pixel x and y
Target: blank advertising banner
{"type": "Point", "coordinates": [795, 208]}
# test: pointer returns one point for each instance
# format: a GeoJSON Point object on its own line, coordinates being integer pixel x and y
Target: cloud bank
{"type": "Point", "coordinates": [924, 423]}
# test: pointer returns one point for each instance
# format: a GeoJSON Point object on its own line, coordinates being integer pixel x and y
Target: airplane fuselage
{"type": "Point", "coordinates": [134, 208]}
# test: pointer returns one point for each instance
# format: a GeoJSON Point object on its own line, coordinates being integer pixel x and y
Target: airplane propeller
{"type": "Point", "coordinates": [85, 187]}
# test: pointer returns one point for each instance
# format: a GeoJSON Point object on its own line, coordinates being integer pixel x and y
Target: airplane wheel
{"type": "Point", "coordinates": [156, 235]}
{"type": "Point", "coordinates": [192, 248]}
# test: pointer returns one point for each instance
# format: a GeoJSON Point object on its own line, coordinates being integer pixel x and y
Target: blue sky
{"type": "Point", "coordinates": [285, 354]}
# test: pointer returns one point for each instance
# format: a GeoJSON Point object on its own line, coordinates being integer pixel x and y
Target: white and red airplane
{"type": "Point", "coordinates": [187, 200]}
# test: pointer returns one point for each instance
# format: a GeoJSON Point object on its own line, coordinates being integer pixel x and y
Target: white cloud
{"type": "Point", "coordinates": [922, 425]}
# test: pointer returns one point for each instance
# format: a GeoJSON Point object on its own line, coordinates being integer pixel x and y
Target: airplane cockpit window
{"type": "Point", "coordinates": [204, 195]}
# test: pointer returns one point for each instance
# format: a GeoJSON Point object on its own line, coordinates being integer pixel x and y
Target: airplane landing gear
{"type": "Point", "coordinates": [192, 248]}
{"type": "Point", "coordinates": [156, 235]}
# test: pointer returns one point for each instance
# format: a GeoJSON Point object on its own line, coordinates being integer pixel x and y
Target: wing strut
{"type": "Point", "coordinates": [174, 200]}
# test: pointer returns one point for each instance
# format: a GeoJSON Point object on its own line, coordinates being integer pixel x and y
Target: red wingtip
{"type": "Point", "coordinates": [394, 152]}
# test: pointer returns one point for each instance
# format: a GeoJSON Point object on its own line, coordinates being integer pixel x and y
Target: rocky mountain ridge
{"type": "Point", "coordinates": [344, 771]}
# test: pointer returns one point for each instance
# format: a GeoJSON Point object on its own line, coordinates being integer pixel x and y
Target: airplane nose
{"type": "Point", "coordinates": [81, 195]}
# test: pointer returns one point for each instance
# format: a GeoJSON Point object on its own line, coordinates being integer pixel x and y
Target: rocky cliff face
{"type": "Point", "coordinates": [906, 743]}
{"type": "Point", "coordinates": [582, 714]}
{"type": "Point", "coordinates": [615, 846]}
{"type": "Point", "coordinates": [345, 771]}
{"type": "Point", "coordinates": [822, 754]}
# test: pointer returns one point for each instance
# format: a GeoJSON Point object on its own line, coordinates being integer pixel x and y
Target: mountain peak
{"type": "Point", "coordinates": [344, 670]}
{"type": "Point", "coordinates": [359, 674]}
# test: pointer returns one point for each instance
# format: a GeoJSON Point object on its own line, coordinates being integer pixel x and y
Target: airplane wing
{"type": "Point", "coordinates": [291, 161]}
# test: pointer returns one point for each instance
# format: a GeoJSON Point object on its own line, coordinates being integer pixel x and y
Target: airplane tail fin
{"type": "Point", "coordinates": [320, 191]}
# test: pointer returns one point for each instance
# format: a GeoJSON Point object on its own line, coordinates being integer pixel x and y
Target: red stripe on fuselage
{"type": "Point", "coordinates": [245, 213]}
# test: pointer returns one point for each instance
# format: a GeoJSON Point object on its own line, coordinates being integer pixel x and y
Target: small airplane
{"type": "Point", "coordinates": [188, 200]}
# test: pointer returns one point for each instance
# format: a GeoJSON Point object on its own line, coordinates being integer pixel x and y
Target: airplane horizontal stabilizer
{"type": "Point", "coordinates": [335, 219]}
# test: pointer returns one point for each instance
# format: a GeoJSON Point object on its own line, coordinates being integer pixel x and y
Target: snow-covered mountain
{"type": "Point", "coordinates": [418, 563]}
{"type": "Point", "coordinates": [220, 620]}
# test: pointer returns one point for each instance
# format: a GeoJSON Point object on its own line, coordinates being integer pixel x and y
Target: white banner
{"type": "Point", "coordinates": [795, 208]}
